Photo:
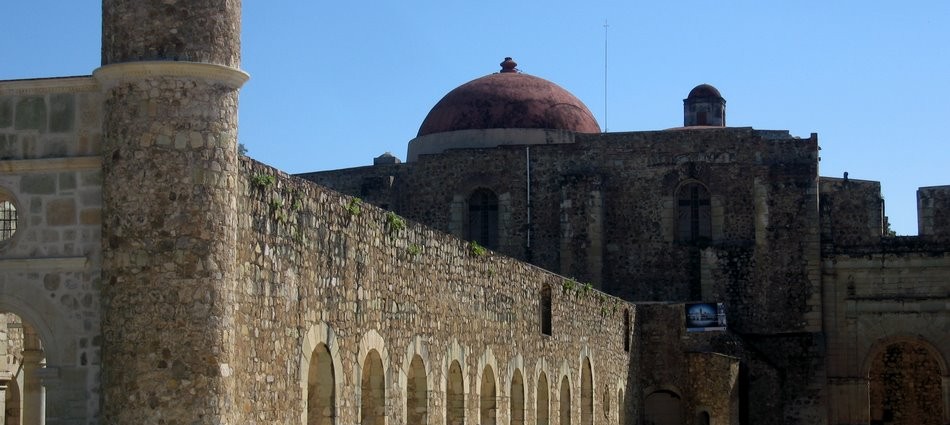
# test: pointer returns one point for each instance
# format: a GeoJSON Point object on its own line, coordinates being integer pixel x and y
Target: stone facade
{"type": "Point", "coordinates": [149, 274]}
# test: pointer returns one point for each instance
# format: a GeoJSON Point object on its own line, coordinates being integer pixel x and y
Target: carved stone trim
{"type": "Point", "coordinates": [41, 86]}
{"type": "Point", "coordinates": [18, 166]}
{"type": "Point", "coordinates": [55, 264]}
{"type": "Point", "coordinates": [110, 75]}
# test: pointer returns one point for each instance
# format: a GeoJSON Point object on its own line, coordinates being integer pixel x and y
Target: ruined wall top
{"type": "Point", "coordinates": [207, 31]}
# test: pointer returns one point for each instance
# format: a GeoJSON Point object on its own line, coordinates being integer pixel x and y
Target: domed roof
{"type": "Point", "coordinates": [703, 90]}
{"type": "Point", "coordinates": [509, 99]}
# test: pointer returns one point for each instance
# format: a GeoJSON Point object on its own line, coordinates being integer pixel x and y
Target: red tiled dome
{"type": "Point", "coordinates": [509, 99]}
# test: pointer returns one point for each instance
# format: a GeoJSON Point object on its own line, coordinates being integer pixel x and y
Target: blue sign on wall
{"type": "Point", "coordinates": [702, 317]}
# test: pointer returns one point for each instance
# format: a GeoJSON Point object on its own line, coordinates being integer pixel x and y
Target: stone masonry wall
{"type": "Point", "coordinates": [50, 138]}
{"type": "Point", "coordinates": [933, 212]}
{"type": "Point", "coordinates": [310, 258]}
{"type": "Point", "coordinates": [894, 293]}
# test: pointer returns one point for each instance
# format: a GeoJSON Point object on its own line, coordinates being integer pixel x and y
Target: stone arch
{"type": "Point", "coordinates": [373, 378]}
{"type": "Point", "coordinates": [456, 384]}
{"type": "Point", "coordinates": [488, 397]}
{"type": "Point", "coordinates": [67, 377]}
{"type": "Point", "coordinates": [542, 393]}
{"type": "Point", "coordinates": [565, 401]}
{"type": "Point", "coordinates": [417, 380]}
{"type": "Point", "coordinates": [586, 387]}
{"type": "Point", "coordinates": [907, 382]}
{"type": "Point", "coordinates": [663, 406]}
{"type": "Point", "coordinates": [517, 394]}
{"type": "Point", "coordinates": [320, 337]}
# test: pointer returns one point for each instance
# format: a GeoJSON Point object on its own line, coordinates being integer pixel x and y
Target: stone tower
{"type": "Point", "coordinates": [170, 77]}
{"type": "Point", "coordinates": [704, 106]}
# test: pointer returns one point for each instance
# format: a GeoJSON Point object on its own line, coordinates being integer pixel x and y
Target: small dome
{"type": "Point", "coordinates": [509, 99]}
{"type": "Point", "coordinates": [703, 90]}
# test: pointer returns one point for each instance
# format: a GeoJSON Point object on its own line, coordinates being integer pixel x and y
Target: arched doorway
{"type": "Point", "coordinates": [587, 394]}
{"type": "Point", "coordinates": [417, 406]}
{"type": "Point", "coordinates": [663, 407]}
{"type": "Point", "coordinates": [373, 391]}
{"type": "Point", "coordinates": [543, 402]}
{"type": "Point", "coordinates": [455, 396]}
{"type": "Point", "coordinates": [517, 399]}
{"type": "Point", "coordinates": [488, 408]}
{"type": "Point", "coordinates": [905, 384]}
{"type": "Point", "coordinates": [565, 402]}
{"type": "Point", "coordinates": [321, 391]}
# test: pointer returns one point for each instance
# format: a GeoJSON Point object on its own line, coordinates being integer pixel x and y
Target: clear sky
{"type": "Point", "coordinates": [336, 83]}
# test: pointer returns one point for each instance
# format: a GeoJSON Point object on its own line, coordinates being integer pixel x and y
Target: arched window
{"type": "Point", "coordinates": [373, 387]}
{"type": "Point", "coordinates": [693, 214]}
{"type": "Point", "coordinates": [905, 385]}
{"type": "Point", "coordinates": [543, 402]}
{"type": "Point", "coordinates": [455, 396]}
{"type": "Point", "coordinates": [517, 399]}
{"type": "Point", "coordinates": [565, 402]}
{"type": "Point", "coordinates": [417, 407]}
{"type": "Point", "coordinates": [587, 394]}
{"type": "Point", "coordinates": [702, 418]}
{"type": "Point", "coordinates": [546, 309]}
{"type": "Point", "coordinates": [663, 408]}
{"type": "Point", "coordinates": [621, 407]}
{"type": "Point", "coordinates": [321, 395]}
{"type": "Point", "coordinates": [483, 218]}
{"type": "Point", "coordinates": [488, 408]}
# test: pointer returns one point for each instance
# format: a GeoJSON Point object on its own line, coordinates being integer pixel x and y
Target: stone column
{"type": "Point", "coordinates": [170, 78]}
{"type": "Point", "coordinates": [31, 412]}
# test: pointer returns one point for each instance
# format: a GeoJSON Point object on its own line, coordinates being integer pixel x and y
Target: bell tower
{"type": "Point", "coordinates": [170, 76]}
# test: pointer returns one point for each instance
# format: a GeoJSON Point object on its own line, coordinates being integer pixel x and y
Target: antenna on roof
{"type": "Point", "coordinates": [605, 75]}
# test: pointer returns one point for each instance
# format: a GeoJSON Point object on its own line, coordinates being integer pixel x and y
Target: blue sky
{"type": "Point", "coordinates": [334, 84]}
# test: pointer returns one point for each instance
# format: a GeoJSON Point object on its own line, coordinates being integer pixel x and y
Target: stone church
{"type": "Point", "coordinates": [520, 267]}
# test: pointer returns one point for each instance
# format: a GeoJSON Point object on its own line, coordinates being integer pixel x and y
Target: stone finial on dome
{"type": "Point", "coordinates": [508, 65]}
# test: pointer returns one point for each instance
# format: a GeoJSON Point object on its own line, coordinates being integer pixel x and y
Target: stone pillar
{"type": "Point", "coordinates": [170, 79]}
{"type": "Point", "coordinates": [32, 404]}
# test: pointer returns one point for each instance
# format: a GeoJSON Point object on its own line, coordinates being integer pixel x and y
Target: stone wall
{"type": "Point", "coordinates": [317, 266]}
{"type": "Point", "coordinates": [50, 136]}
{"type": "Point", "coordinates": [878, 297]}
{"type": "Point", "coordinates": [933, 212]}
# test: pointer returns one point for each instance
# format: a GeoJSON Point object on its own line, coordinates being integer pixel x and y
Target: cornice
{"type": "Point", "coordinates": [18, 166]}
{"type": "Point", "coordinates": [110, 75]}
{"type": "Point", "coordinates": [41, 86]}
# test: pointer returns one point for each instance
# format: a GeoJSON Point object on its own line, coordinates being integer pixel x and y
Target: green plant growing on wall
{"type": "Point", "coordinates": [354, 207]}
{"type": "Point", "coordinates": [413, 249]}
{"type": "Point", "coordinates": [394, 223]}
{"type": "Point", "coordinates": [477, 250]}
{"type": "Point", "coordinates": [263, 181]}
{"type": "Point", "coordinates": [568, 285]}
{"type": "Point", "coordinates": [586, 288]}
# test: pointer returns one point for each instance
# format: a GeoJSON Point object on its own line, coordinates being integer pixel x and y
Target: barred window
{"type": "Point", "coordinates": [7, 220]}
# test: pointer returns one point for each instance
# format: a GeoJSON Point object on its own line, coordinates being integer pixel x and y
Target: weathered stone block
{"type": "Point", "coordinates": [91, 216]}
{"type": "Point", "coordinates": [62, 112]}
{"type": "Point", "coordinates": [31, 113]}
{"type": "Point", "coordinates": [38, 184]}
{"type": "Point", "coordinates": [61, 212]}
{"type": "Point", "coordinates": [6, 112]}
{"type": "Point", "coordinates": [67, 181]}
{"type": "Point", "coordinates": [9, 148]}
